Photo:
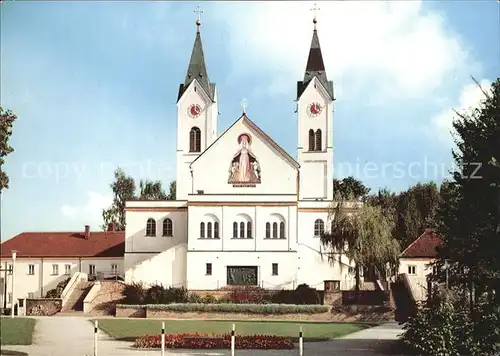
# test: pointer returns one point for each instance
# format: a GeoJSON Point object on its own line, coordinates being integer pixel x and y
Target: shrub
{"type": "Point", "coordinates": [209, 299]}
{"type": "Point", "coordinates": [195, 298]}
{"type": "Point", "coordinates": [276, 309]}
{"type": "Point", "coordinates": [247, 294]}
{"type": "Point", "coordinates": [303, 294]}
{"type": "Point", "coordinates": [206, 341]}
{"type": "Point", "coordinates": [158, 294]}
{"type": "Point", "coordinates": [57, 291]}
{"type": "Point", "coordinates": [444, 325]}
{"type": "Point", "coordinates": [134, 293]}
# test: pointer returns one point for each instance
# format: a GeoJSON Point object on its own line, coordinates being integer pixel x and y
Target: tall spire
{"type": "Point", "coordinates": [315, 66]}
{"type": "Point", "coordinates": [197, 68]}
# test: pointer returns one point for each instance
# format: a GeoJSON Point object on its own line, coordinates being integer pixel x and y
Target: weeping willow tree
{"type": "Point", "coordinates": [364, 236]}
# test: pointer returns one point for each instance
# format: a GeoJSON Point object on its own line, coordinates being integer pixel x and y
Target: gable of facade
{"type": "Point", "coordinates": [244, 160]}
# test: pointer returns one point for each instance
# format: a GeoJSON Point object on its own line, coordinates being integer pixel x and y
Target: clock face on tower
{"type": "Point", "coordinates": [314, 109]}
{"type": "Point", "coordinates": [194, 110]}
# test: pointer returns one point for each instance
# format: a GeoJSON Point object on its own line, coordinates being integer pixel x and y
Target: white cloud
{"type": "Point", "coordinates": [392, 49]}
{"type": "Point", "coordinates": [90, 212]}
{"type": "Point", "coordinates": [469, 98]}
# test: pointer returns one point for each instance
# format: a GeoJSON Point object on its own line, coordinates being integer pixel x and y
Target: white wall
{"type": "Point", "coordinates": [136, 240]}
{"type": "Point", "coordinates": [227, 215]}
{"type": "Point", "coordinates": [419, 279]}
{"type": "Point", "coordinates": [167, 267]}
{"type": "Point", "coordinates": [43, 279]}
{"type": "Point", "coordinates": [316, 172]}
{"type": "Point", "coordinates": [211, 171]}
{"type": "Point", "coordinates": [197, 278]}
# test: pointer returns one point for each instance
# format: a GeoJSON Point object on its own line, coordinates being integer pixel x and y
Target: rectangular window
{"type": "Point", "coordinates": [114, 268]}
{"type": "Point", "coordinates": [92, 270]}
{"type": "Point", "coordinates": [67, 269]}
{"type": "Point", "coordinates": [412, 270]}
{"type": "Point", "coordinates": [31, 269]}
{"type": "Point", "coordinates": [31, 295]}
{"type": "Point", "coordinates": [10, 269]}
{"type": "Point", "coordinates": [208, 271]}
{"type": "Point", "coordinates": [55, 270]}
{"type": "Point", "coordinates": [275, 269]}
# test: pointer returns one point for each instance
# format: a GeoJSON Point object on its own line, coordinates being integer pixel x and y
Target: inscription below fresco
{"type": "Point", "coordinates": [244, 170]}
{"type": "Point", "coordinates": [242, 276]}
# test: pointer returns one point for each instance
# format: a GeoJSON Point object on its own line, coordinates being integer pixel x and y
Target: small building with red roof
{"type": "Point", "coordinates": [415, 261]}
{"type": "Point", "coordinates": [43, 259]}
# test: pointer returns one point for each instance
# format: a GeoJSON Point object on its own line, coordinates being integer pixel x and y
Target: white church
{"type": "Point", "coordinates": [247, 212]}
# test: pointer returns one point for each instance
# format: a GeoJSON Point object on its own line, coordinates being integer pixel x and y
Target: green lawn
{"type": "Point", "coordinates": [130, 329]}
{"type": "Point", "coordinates": [17, 331]}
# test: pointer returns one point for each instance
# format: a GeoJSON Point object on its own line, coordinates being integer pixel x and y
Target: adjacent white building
{"type": "Point", "coordinates": [43, 259]}
{"type": "Point", "coordinates": [247, 212]}
{"type": "Point", "coordinates": [416, 262]}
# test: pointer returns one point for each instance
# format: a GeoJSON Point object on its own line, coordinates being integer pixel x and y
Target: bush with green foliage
{"type": "Point", "coordinates": [445, 325]}
{"type": "Point", "coordinates": [57, 291]}
{"type": "Point", "coordinates": [134, 293]}
{"type": "Point", "coordinates": [272, 309]}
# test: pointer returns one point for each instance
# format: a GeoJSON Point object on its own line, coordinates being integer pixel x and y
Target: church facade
{"type": "Point", "coordinates": [247, 212]}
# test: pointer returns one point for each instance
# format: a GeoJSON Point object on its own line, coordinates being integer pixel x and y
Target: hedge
{"type": "Point", "coordinates": [233, 308]}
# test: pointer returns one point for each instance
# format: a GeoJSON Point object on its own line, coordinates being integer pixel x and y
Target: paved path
{"type": "Point", "coordinates": [62, 336]}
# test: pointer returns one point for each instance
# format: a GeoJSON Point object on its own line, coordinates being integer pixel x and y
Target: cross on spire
{"type": "Point", "coordinates": [199, 11]}
{"type": "Point", "coordinates": [244, 105]}
{"type": "Point", "coordinates": [315, 10]}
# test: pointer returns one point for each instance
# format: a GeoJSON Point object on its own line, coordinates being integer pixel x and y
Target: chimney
{"type": "Point", "coordinates": [111, 227]}
{"type": "Point", "coordinates": [87, 232]}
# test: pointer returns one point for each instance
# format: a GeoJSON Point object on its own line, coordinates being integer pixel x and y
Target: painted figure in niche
{"type": "Point", "coordinates": [245, 168]}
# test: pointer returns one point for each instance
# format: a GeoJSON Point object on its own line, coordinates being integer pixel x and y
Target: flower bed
{"type": "Point", "coordinates": [207, 341]}
{"type": "Point", "coordinates": [270, 309]}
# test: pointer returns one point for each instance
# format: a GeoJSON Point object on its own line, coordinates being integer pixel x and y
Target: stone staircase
{"type": "Point", "coordinates": [75, 301]}
{"type": "Point", "coordinates": [110, 294]}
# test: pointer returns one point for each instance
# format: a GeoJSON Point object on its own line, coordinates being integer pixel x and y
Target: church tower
{"type": "Point", "coordinates": [315, 127]}
{"type": "Point", "coordinates": [196, 116]}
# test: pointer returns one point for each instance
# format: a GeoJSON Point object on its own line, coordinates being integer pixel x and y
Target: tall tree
{"type": "Point", "coordinates": [365, 237]}
{"type": "Point", "coordinates": [123, 188]}
{"type": "Point", "coordinates": [469, 214]}
{"type": "Point", "coordinates": [349, 188]}
{"type": "Point", "coordinates": [172, 190]}
{"type": "Point", "coordinates": [7, 119]}
{"type": "Point", "coordinates": [149, 190]}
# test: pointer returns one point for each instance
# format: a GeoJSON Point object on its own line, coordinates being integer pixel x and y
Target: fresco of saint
{"type": "Point", "coordinates": [244, 168]}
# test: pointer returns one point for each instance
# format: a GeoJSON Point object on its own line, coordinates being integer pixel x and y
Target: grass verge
{"type": "Point", "coordinates": [131, 329]}
{"type": "Point", "coordinates": [17, 331]}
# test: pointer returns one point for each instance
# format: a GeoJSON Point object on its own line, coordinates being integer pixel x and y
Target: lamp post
{"type": "Point", "coordinates": [14, 255]}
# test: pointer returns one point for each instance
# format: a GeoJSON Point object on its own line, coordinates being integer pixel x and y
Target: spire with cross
{"type": "Point", "coordinates": [198, 11]}
{"type": "Point", "coordinates": [315, 10]}
{"type": "Point", "coordinates": [244, 105]}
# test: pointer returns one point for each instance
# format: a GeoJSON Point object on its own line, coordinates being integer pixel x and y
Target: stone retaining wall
{"type": "Point", "coordinates": [43, 306]}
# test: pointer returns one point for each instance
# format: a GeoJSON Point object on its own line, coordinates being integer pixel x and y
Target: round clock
{"type": "Point", "coordinates": [314, 109]}
{"type": "Point", "coordinates": [194, 110]}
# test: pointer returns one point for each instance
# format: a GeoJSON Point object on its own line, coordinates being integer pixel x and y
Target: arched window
{"type": "Point", "coordinates": [242, 230]}
{"type": "Point", "coordinates": [235, 229]}
{"type": "Point", "coordinates": [317, 141]}
{"type": "Point", "coordinates": [195, 140]}
{"type": "Point", "coordinates": [151, 227]}
{"type": "Point", "coordinates": [249, 230]}
{"type": "Point", "coordinates": [275, 230]}
{"type": "Point", "coordinates": [282, 230]}
{"type": "Point", "coordinates": [202, 230]}
{"type": "Point", "coordinates": [209, 230]}
{"type": "Point", "coordinates": [319, 227]}
{"type": "Point", "coordinates": [311, 140]}
{"type": "Point", "coordinates": [268, 230]}
{"type": "Point", "coordinates": [216, 230]}
{"type": "Point", "coordinates": [167, 227]}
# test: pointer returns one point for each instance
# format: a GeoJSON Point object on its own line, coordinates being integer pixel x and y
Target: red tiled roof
{"type": "Point", "coordinates": [424, 246]}
{"type": "Point", "coordinates": [65, 244]}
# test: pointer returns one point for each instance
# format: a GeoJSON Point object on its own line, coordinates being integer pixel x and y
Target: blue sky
{"type": "Point", "coordinates": [94, 85]}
